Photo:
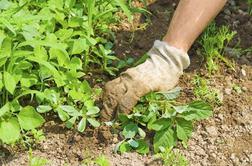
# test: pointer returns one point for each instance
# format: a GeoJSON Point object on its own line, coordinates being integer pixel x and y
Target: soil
{"type": "Point", "coordinates": [224, 139]}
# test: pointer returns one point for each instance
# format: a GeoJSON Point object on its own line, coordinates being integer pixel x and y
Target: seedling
{"type": "Point", "coordinates": [204, 92]}
{"type": "Point", "coordinates": [172, 158]}
{"type": "Point", "coordinates": [36, 161]}
{"type": "Point", "coordinates": [213, 42]}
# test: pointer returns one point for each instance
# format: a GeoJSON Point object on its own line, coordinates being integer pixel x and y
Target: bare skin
{"type": "Point", "coordinates": [189, 20]}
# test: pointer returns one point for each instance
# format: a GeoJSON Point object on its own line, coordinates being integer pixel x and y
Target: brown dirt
{"type": "Point", "coordinates": [224, 139]}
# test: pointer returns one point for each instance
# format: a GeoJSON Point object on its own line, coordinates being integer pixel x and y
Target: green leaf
{"type": "Point", "coordinates": [62, 114]}
{"type": "Point", "coordinates": [70, 122]}
{"type": "Point", "coordinates": [143, 147]}
{"type": "Point", "coordinates": [79, 46]}
{"type": "Point", "coordinates": [130, 130]}
{"type": "Point", "coordinates": [197, 110]}
{"type": "Point", "coordinates": [184, 129]}
{"type": "Point", "coordinates": [141, 132]}
{"type": "Point", "coordinates": [133, 143]}
{"type": "Point", "coordinates": [160, 124]}
{"type": "Point", "coordinates": [125, 147]}
{"type": "Point", "coordinates": [125, 9]}
{"type": "Point", "coordinates": [4, 109]}
{"type": "Point", "coordinates": [9, 82]}
{"type": "Point", "coordinates": [172, 94]}
{"type": "Point", "coordinates": [82, 125]}
{"type": "Point", "coordinates": [44, 108]}
{"type": "Point", "coordinates": [93, 122]}
{"type": "Point", "coordinates": [10, 131]}
{"type": "Point", "coordinates": [5, 50]}
{"type": "Point", "coordinates": [61, 55]}
{"type": "Point", "coordinates": [93, 110]}
{"type": "Point", "coordinates": [164, 139]}
{"type": "Point", "coordinates": [29, 119]}
{"type": "Point", "coordinates": [70, 110]}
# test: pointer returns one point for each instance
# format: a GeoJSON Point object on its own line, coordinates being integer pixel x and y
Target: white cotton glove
{"type": "Point", "coordinates": [160, 72]}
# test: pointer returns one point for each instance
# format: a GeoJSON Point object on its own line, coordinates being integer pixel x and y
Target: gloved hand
{"type": "Point", "coordinates": [160, 72]}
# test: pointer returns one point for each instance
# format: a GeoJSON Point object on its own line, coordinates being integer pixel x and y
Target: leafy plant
{"type": "Point", "coordinates": [172, 158]}
{"type": "Point", "coordinates": [36, 161]}
{"type": "Point", "coordinates": [158, 113]}
{"type": "Point", "coordinates": [213, 42]}
{"type": "Point", "coordinates": [102, 161]}
{"type": "Point", "coordinates": [204, 92]}
{"type": "Point", "coordinates": [46, 49]}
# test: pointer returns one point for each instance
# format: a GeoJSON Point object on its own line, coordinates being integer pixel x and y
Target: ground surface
{"type": "Point", "coordinates": [224, 139]}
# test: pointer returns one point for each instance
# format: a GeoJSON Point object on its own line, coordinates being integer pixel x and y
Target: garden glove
{"type": "Point", "coordinates": [160, 72]}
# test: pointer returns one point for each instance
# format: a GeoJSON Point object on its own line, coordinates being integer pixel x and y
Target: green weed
{"type": "Point", "coordinates": [204, 92]}
{"type": "Point", "coordinates": [249, 6]}
{"type": "Point", "coordinates": [213, 42]}
{"type": "Point", "coordinates": [172, 158]}
{"type": "Point", "coordinates": [158, 113]}
{"type": "Point", "coordinates": [36, 161]}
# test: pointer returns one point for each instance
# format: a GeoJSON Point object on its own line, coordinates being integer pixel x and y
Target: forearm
{"type": "Point", "coordinates": [190, 19]}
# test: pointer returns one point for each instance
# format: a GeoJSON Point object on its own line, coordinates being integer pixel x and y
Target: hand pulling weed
{"type": "Point", "coordinates": [169, 121]}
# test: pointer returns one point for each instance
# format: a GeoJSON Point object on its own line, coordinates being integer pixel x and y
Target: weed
{"type": "Point", "coordinates": [213, 42]}
{"type": "Point", "coordinates": [170, 121]}
{"type": "Point", "coordinates": [102, 161]}
{"type": "Point", "coordinates": [172, 158]}
{"type": "Point", "coordinates": [36, 161]}
{"type": "Point", "coordinates": [249, 6]}
{"type": "Point", "coordinates": [204, 92]}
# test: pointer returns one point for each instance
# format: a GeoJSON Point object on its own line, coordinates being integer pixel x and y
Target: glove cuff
{"type": "Point", "coordinates": [170, 54]}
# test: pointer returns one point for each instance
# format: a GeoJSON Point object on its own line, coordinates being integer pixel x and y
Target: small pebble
{"type": "Point", "coordinates": [228, 91]}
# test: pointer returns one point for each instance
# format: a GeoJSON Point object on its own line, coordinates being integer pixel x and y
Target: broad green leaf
{"type": "Point", "coordinates": [57, 77]}
{"type": "Point", "coordinates": [82, 125]}
{"type": "Point", "coordinates": [61, 55]}
{"type": "Point", "coordinates": [70, 110]}
{"type": "Point", "coordinates": [141, 132]}
{"type": "Point", "coordinates": [28, 80]}
{"type": "Point", "coordinates": [133, 143]}
{"type": "Point", "coordinates": [70, 122]}
{"type": "Point", "coordinates": [41, 53]}
{"type": "Point", "coordinates": [9, 82]}
{"type": "Point", "coordinates": [184, 129]}
{"type": "Point", "coordinates": [4, 109]}
{"type": "Point", "coordinates": [125, 147]}
{"type": "Point", "coordinates": [8, 25]}
{"type": "Point", "coordinates": [172, 94]}
{"type": "Point", "coordinates": [10, 131]}
{"type": "Point", "coordinates": [181, 109]}
{"type": "Point", "coordinates": [160, 124]}
{"type": "Point", "coordinates": [93, 110]}
{"type": "Point", "coordinates": [62, 114]}
{"type": "Point", "coordinates": [44, 108]}
{"type": "Point", "coordinates": [5, 50]}
{"type": "Point", "coordinates": [164, 139]}
{"type": "Point", "coordinates": [143, 147]}
{"type": "Point", "coordinates": [197, 110]}
{"type": "Point", "coordinates": [79, 46]}
{"type": "Point", "coordinates": [93, 122]}
{"type": "Point", "coordinates": [29, 119]}
{"type": "Point", "coordinates": [64, 34]}
{"type": "Point", "coordinates": [76, 63]}
{"type": "Point", "coordinates": [130, 130]}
